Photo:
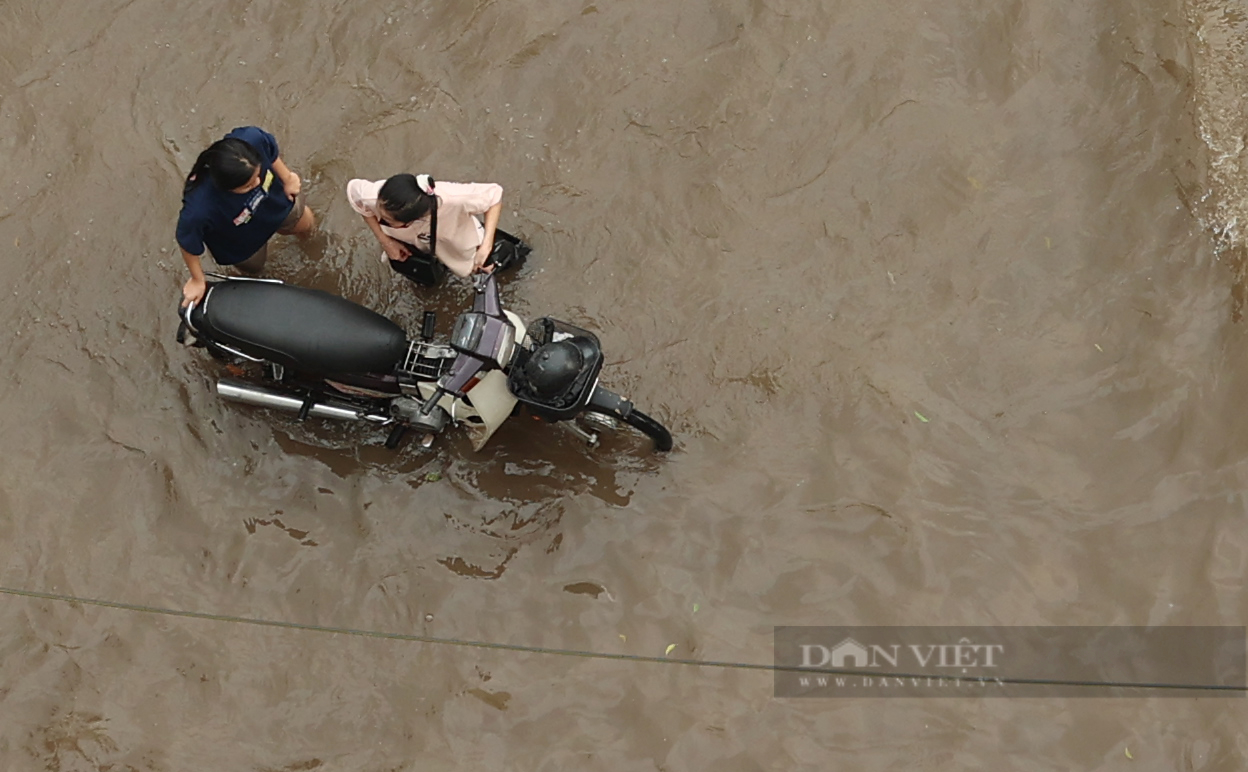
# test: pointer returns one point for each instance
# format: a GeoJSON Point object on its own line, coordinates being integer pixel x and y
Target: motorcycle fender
{"type": "Point", "coordinates": [491, 402]}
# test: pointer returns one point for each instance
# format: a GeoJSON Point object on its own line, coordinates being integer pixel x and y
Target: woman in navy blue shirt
{"type": "Point", "coordinates": [238, 194]}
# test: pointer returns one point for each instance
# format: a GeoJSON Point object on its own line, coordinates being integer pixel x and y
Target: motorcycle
{"type": "Point", "coordinates": [320, 355]}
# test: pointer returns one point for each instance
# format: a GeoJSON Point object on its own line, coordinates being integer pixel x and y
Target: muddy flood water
{"type": "Point", "coordinates": [941, 300]}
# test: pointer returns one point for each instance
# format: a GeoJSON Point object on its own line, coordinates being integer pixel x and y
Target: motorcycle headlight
{"type": "Point", "coordinates": [467, 333]}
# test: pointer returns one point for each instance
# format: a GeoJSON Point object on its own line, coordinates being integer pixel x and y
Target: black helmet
{"type": "Point", "coordinates": [553, 367]}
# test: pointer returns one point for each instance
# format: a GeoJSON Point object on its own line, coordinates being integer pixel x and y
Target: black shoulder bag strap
{"type": "Point", "coordinates": [425, 269]}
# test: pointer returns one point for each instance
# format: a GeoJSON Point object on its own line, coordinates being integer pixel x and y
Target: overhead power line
{"type": "Point", "coordinates": [602, 655]}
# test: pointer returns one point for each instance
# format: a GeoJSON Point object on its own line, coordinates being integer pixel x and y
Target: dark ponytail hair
{"type": "Point", "coordinates": [228, 162]}
{"type": "Point", "coordinates": [403, 199]}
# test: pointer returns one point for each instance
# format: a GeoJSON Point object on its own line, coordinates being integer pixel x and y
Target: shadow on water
{"type": "Point", "coordinates": [531, 476]}
{"type": "Point", "coordinates": [526, 461]}
{"type": "Point", "coordinates": [512, 494]}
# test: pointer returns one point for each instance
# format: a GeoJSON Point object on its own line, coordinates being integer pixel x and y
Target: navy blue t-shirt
{"type": "Point", "coordinates": [235, 225]}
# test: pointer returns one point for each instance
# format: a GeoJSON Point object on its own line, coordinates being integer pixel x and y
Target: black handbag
{"type": "Point", "coordinates": [422, 268]}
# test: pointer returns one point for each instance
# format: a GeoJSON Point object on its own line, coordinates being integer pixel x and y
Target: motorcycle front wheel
{"type": "Point", "coordinates": [611, 404]}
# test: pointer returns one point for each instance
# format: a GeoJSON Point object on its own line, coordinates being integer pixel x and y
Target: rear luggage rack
{"type": "Point", "coordinates": [426, 361]}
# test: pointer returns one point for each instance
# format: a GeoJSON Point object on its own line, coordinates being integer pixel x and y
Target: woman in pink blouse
{"type": "Point", "coordinates": [407, 212]}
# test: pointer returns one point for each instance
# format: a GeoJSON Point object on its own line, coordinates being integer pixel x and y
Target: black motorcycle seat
{"type": "Point", "coordinates": [303, 329]}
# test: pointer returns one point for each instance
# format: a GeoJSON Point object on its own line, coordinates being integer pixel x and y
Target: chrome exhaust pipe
{"type": "Point", "coordinates": [253, 395]}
